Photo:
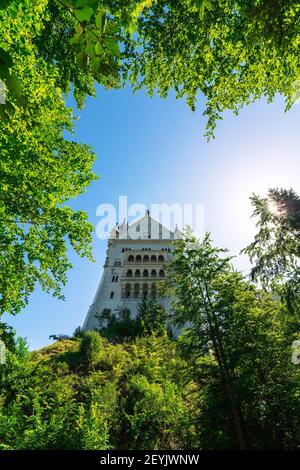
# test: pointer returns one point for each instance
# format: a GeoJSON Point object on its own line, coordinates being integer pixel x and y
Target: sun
{"type": "Point", "coordinates": [273, 208]}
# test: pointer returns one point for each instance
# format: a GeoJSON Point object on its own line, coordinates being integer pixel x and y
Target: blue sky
{"type": "Point", "coordinates": [154, 151]}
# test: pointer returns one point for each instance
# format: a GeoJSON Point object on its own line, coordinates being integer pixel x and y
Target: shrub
{"type": "Point", "coordinates": [91, 347]}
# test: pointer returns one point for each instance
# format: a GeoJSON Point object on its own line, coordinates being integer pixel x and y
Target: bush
{"type": "Point", "coordinates": [91, 347]}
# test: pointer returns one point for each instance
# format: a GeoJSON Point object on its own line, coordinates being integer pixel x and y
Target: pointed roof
{"type": "Point", "coordinates": [145, 228]}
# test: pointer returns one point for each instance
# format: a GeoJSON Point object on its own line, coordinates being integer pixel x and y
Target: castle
{"type": "Point", "coordinates": [136, 260]}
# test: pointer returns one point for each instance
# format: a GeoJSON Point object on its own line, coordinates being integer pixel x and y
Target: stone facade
{"type": "Point", "coordinates": [136, 260]}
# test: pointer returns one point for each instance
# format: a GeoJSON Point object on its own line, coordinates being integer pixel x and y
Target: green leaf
{"type": "Point", "coordinates": [99, 20]}
{"type": "Point", "coordinates": [84, 14]}
{"type": "Point", "coordinates": [113, 47]}
{"type": "Point", "coordinates": [80, 3]}
{"type": "Point", "coordinates": [76, 39]}
{"type": "Point", "coordinates": [99, 49]}
{"type": "Point", "coordinates": [95, 63]}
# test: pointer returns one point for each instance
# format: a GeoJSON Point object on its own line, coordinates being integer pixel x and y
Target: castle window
{"type": "Point", "coordinates": [138, 258]}
{"type": "Point", "coordinates": [145, 290]}
{"type": "Point", "coordinates": [127, 290]}
{"type": "Point", "coordinates": [161, 258]}
{"type": "Point", "coordinates": [113, 279]}
{"type": "Point", "coordinates": [146, 258]}
{"type": "Point", "coordinates": [136, 290]}
{"type": "Point", "coordinates": [153, 258]}
{"type": "Point", "coordinates": [153, 273]}
{"type": "Point", "coordinates": [153, 290]}
{"type": "Point", "coordinates": [162, 273]}
{"type": "Point", "coordinates": [111, 295]}
{"type": "Point", "coordinates": [116, 278]}
{"type": "Point", "coordinates": [145, 273]}
{"type": "Point", "coordinates": [137, 273]}
{"type": "Point", "coordinates": [130, 258]}
{"type": "Point", "coordinates": [129, 273]}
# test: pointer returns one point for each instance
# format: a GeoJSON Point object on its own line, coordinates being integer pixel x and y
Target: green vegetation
{"type": "Point", "coordinates": [275, 251]}
{"type": "Point", "coordinates": [227, 382]}
{"type": "Point", "coordinates": [130, 396]}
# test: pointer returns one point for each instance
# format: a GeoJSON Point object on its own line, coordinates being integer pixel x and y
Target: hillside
{"type": "Point", "coordinates": [92, 394]}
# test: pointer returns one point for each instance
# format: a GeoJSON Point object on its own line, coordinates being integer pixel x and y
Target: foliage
{"type": "Point", "coordinates": [118, 327]}
{"type": "Point", "coordinates": [239, 346]}
{"type": "Point", "coordinates": [232, 52]}
{"type": "Point", "coordinates": [48, 403]}
{"type": "Point", "coordinates": [91, 348]}
{"type": "Point", "coordinates": [151, 318]}
{"type": "Point", "coordinates": [59, 337]}
{"type": "Point", "coordinates": [39, 169]}
{"type": "Point", "coordinates": [275, 251]}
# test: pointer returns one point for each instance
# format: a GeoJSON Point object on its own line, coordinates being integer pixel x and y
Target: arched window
{"type": "Point", "coordinates": [153, 258]}
{"type": "Point", "coordinates": [116, 278]}
{"type": "Point", "coordinates": [153, 290]}
{"type": "Point", "coordinates": [161, 273]}
{"type": "Point", "coordinates": [129, 273]}
{"type": "Point", "coordinates": [127, 290]}
{"type": "Point", "coordinates": [136, 290]}
{"type": "Point", "coordinates": [111, 295]}
{"type": "Point", "coordinates": [161, 258]}
{"type": "Point", "coordinates": [153, 273]}
{"type": "Point", "coordinates": [138, 258]}
{"type": "Point", "coordinates": [113, 279]}
{"type": "Point", "coordinates": [137, 273]}
{"type": "Point", "coordinates": [130, 258]}
{"type": "Point", "coordinates": [145, 290]}
{"type": "Point", "coordinates": [145, 273]}
{"type": "Point", "coordinates": [146, 258]}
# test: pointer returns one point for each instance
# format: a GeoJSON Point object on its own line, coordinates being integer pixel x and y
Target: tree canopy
{"type": "Point", "coordinates": [39, 168]}
{"type": "Point", "coordinates": [275, 251]}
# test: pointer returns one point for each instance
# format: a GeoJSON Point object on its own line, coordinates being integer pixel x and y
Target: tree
{"type": "Point", "coordinates": [151, 318]}
{"type": "Point", "coordinates": [91, 348]}
{"type": "Point", "coordinates": [275, 251]}
{"type": "Point", "coordinates": [117, 327]}
{"type": "Point", "coordinates": [239, 348]}
{"type": "Point", "coordinates": [232, 52]}
{"type": "Point", "coordinates": [40, 170]}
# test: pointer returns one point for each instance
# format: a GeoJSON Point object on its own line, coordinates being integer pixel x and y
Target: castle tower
{"type": "Point", "coordinates": [136, 260]}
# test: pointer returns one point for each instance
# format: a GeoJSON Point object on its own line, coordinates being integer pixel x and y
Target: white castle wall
{"type": "Point", "coordinates": [153, 237]}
